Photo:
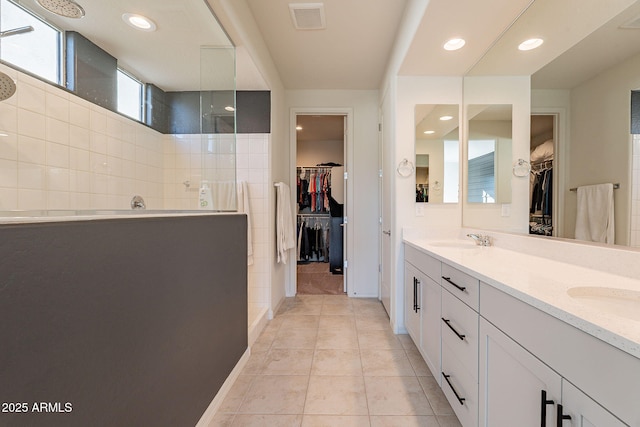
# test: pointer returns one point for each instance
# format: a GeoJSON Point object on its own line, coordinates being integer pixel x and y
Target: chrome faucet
{"type": "Point", "coordinates": [481, 240]}
{"type": "Point", "coordinates": [137, 202]}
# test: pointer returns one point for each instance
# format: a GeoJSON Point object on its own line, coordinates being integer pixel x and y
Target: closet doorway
{"type": "Point", "coordinates": [543, 189]}
{"type": "Point", "coordinates": [320, 204]}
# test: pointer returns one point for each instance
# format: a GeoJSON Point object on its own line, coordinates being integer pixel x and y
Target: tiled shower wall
{"type": "Point", "coordinates": [62, 152]}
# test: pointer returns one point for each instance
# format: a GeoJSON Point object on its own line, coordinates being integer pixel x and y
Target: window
{"type": "Point", "coordinates": [482, 182]}
{"type": "Point", "coordinates": [38, 51]}
{"type": "Point", "coordinates": [129, 96]}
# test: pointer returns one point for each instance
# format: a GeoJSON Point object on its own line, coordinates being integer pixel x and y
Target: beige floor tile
{"type": "Point", "coordinates": [299, 321]}
{"type": "Point", "coordinates": [302, 308]}
{"type": "Point", "coordinates": [372, 323]}
{"type": "Point", "coordinates": [370, 309]}
{"type": "Point", "coordinates": [404, 421]}
{"type": "Point", "coordinates": [295, 338]}
{"type": "Point", "coordinates": [336, 362]}
{"type": "Point", "coordinates": [331, 309]}
{"type": "Point", "coordinates": [338, 321]}
{"type": "Point", "coordinates": [311, 299]}
{"type": "Point", "coordinates": [396, 396]}
{"type": "Point", "coordinates": [222, 420]}
{"type": "Point", "coordinates": [448, 421]}
{"type": "Point", "coordinates": [407, 342]}
{"type": "Point", "coordinates": [386, 363]}
{"type": "Point", "coordinates": [336, 299]}
{"type": "Point", "coordinates": [288, 361]}
{"type": "Point", "coordinates": [384, 339]}
{"type": "Point", "coordinates": [336, 396]}
{"type": "Point", "coordinates": [236, 394]}
{"type": "Point", "coordinates": [255, 364]}
{"type": "Point", "coordinates": [338, 338]}
{"type": "Point", "coordinates": [278, 394]}
{"type": "Point", "coordinates": [267, 421]}
{"type": "Point", "coordinates": [419, 365]}
{"type": "Point", "coordinates": [436, 397]}
{"type": "Point", "coordinates": [335, 421]}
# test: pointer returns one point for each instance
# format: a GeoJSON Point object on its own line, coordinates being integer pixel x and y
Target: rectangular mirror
{"type": "Point", "coordinates": [437, 153]}
{"type": "Point", "coordinates": [489, 153]}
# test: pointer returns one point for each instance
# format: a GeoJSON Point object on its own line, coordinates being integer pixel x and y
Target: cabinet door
{"type": "Point", "coordinates": [516, 389]}
{"type": "Point", "coordinates": [431, 307]}
{"type": "Point", "coordinates": [583, 410]}
{"type": "Point", "coordinates": [412, 302]}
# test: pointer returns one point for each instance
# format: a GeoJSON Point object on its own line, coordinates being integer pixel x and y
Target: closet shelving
{"type": "Point", "coordinates": [314, 216]}
{"type": "Point", "coordinates": [540, 212]}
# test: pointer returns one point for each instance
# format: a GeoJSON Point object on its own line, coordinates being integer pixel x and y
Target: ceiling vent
{"type": "Point", "coordinates": [632, 24]}
{"type": "Point", "coordinates": [307, 16]}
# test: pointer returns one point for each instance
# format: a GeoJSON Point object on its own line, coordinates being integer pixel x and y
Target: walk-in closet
{"type": "Point", "coordinates": [320, 204]}
{"type": "Point", "coordinates": [541, 178]}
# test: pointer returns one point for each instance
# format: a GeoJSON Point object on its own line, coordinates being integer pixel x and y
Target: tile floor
{"type": "Point", "coordinates": [328, 360]}
{"type": "Point", "coordinates": [315, 278]}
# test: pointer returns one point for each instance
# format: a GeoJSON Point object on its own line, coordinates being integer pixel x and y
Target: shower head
{"type": "Point", "coordinates": [7, 87]}
{"type": "Point", "coordinates": [64, 8]}
{"type": "Point", "coordinates": [16, 31]}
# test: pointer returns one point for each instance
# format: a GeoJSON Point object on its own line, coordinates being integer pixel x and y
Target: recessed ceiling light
{"type": "Point", "coordinates": [429, 132]}
{"type": "Point", "coordinates": [229, 108]}
{"type": "Point", "coordinates": [298, 127]}
{"type": "Point", "coordinates": [454, 44]}
{"type": "Point", "coordinates": [445, 118]}
{"type": "Point", "coordinates": [139, 22]}
{"type": "Point", "coordinates": [530, 44]}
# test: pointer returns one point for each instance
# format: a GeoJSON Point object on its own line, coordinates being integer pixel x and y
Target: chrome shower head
{"type": "Point", "coordinates": [7, 87]}
{"type": "Point", "coordinates": [64, 8]}
{"type": "Point", "coordinates": [16, 31]}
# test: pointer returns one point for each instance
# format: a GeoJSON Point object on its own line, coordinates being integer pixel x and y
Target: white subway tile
{"type": "Point", "coordinates": [8, 118]}
{"type": "Point", "coordinates": [9, 147]}
{"type": "Point", "coordinates": [98, 142]}
{"type": "Point", "coordinates": [57, 131]}
{"type": "Point", "coordinates": [79, 137]}
{"type": "Point", "coordinates": [31, 124]}
{"type": "Point", "coordinates": [29, 199]}
{"type": "Point", "coordinates": [98, 163]}
{"type": "Point", "coordinates": [31, 98]}
{"type": "Point", "coordinates": [58, 179]}
{"type": "Point", "coordinates": [58, 200]}
{"type": "Point", "coordinates": [99, 183]}
{"type": "Point", "coordinates": [98, 120]}
{"type": "Point", "coordinates": [79, 114]}
{"type": "Point", "coordinates": [31, 176]}
{"type": "Point", "coordinates": [8, 173]}
{"type": "Point", "coordinates": [80, 181]}
{"type": "Point", "coordinates": [79, 159]}
{"type": "Point", "coordinates": [8, 199]}
{"type": "Point", "coordinates": [57, 107]}
{"type": "Point", "coordinates": [58, 155]}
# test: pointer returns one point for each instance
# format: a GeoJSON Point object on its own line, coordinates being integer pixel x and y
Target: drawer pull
{"type": "Point", "coordinates": [543, 408]}
{"type": "Point", "coordinates": [415, 287]}
{"type": "Point", "coordinates": [448, 279]}
{"type": "Point", "coordinates": [561, 416]}
{"type": "Point", "coordinates": [447, 322]}
{"type": "Point", "coordinates": [418, 283]}
{"type": "Point", "coordinates": [460, 399]}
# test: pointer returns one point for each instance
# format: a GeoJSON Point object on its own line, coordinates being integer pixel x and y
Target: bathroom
{"type": "Point", "coordinates": [262, 157]}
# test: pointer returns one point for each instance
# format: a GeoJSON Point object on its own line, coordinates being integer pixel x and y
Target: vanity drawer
{"type": "Point", "coordinates": [456, 377]}
{"type": "Point", "coordinates": [459, 326]}
{"type": "Point", "coordinates": [423, 262]}
{"type": "Point", "coordinates": [462, 285]}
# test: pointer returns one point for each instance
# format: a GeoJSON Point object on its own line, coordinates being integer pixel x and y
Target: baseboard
{"type": "Point", "coordinates": [207, 418]}
{"type": "Point", "coordinates": [276, 309]}
{"type": "Point", "coordinates": [257, 326]}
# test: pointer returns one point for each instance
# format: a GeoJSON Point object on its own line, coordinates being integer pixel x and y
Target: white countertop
{"type": "Point", "coordinates": [543, 283]}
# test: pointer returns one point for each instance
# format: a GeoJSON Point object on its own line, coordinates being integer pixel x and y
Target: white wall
{"type": "Point", "coordinates": [362, 230]}
{"type": "Point", "coordinates": [502, 90]}
{"type": "Point", "coordinates": [600, 149]}
{"type": "Point", "coordinates": [310, 153]}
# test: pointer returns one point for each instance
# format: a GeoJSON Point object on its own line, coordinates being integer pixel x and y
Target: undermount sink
{"type": "Point", "coordinates": [458, 244]}
{"type": "Point", "coordinates": [619, 302]}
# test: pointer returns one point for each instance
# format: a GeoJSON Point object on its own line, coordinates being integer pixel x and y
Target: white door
{"type": "Point", "coordinates": [385, 219]}
{"type": "Point", "coordinates": [516, 389]}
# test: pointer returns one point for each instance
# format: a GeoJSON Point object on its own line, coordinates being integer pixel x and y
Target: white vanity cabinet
{"type": "Point", "coordinates": [584, 411]}
{"type": "Point", "coordinates": [517, 388]}
{"type": "Point", "coordinates": [423, 324]}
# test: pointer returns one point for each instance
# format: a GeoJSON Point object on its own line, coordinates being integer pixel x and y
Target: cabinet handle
{"type": "Point", "coordinates": [418, 283]}
{"type": "Point", "coordinates": [415, 288]}
{"type": "Point", "coordinates": [460, 399]}
{"type": "Point", "coordinates": [561, 416]}
{"type": "Point", "coordinates": [543, 408]}
{"type": "Point", "coordinates": [446, 321]}
{"type": "Point", "coordinates": [448, 279]}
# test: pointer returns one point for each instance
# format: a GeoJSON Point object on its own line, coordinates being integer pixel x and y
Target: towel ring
{"type": "Point", "coordinates": [405, 168]}
{"type": "Point", "coordinates": [521, 168]}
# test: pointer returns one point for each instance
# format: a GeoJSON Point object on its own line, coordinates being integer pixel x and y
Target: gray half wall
{"type": "Point", "coordinates": [135, 322]}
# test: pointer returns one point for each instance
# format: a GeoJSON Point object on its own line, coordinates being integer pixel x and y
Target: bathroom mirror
{"type": "Point", "coordinates": [489, 153]}
{"type": "Point", "coordinates": [583, 78]}
{"type": "Point", "coordinates": [437, 151]}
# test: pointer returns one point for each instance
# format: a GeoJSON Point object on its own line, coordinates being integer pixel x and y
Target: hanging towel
{"type": "Point", "coordinates": [224, 195]}
{"type": "Point", "coordinates": [285, 227]}
{"type": "Point", "coordinates": [243, 207]}
{"type": "Point", "coordinates": [594, 220]}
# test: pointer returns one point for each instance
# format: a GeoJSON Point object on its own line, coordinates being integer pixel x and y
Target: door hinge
{"type": "Point", "coordinates": [379, 268]}
{"type": "Point", "coordinates": [346, 175]}
{"type": "Point", "coordinates": [379, 127]}
{"type": "Point", "coordinates": [345, 220]}
{"type": "Point", "coordinates": [346, 264]}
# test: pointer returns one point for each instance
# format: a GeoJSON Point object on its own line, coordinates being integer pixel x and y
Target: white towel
{"type": "Point", "coordinates": [285, 234]}
{"type": "Point", "coordinates": [243, 207]}
{"type": "Point", "coordinates": [594, 220]}
{"type": "Point", "coordinates": [223, 194]}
